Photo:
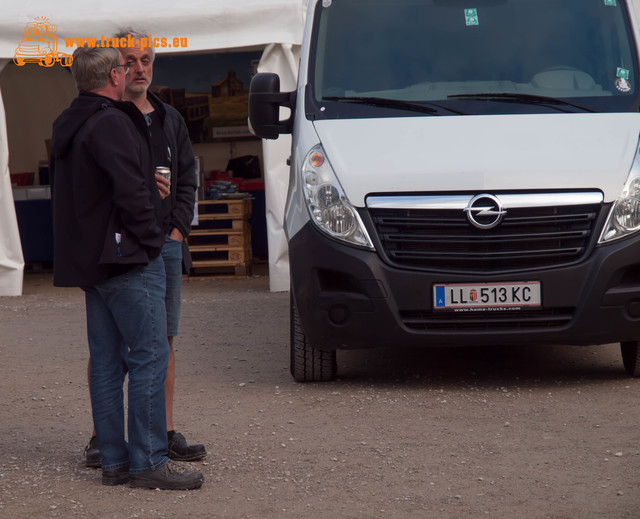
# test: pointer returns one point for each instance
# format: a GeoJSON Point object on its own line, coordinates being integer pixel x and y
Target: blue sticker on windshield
{"type": "Point", "coordinates": [610, 2]}
{"type": "Point", "coordinates": [471, 16]}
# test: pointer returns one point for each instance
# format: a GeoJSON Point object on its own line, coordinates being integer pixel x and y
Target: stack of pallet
{"type": "Point", "coordinates": [221, 242]}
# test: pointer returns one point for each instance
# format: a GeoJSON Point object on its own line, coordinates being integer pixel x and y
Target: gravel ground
{"type": "Point", "coordinates": [493, 432]}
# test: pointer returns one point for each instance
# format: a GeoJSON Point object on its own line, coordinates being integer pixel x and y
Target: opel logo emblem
{"type": "Point", "coordinates": [484, 211]}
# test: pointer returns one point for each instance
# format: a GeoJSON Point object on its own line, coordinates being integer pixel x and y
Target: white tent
{"type": "Point", "coordinates": [213, 25]}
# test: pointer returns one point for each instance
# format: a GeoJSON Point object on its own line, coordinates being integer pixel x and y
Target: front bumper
{"type": "Point", "coordinates": [349, 298]}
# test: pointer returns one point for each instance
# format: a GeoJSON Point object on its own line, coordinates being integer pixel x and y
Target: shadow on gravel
{"type": "Point", "coordinates": [504, 365]}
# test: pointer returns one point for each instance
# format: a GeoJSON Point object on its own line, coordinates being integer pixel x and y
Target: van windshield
{"type": "Point", "coordinates": [452, 57]}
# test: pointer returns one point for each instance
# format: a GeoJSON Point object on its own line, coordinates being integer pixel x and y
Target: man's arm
{"type": "Point", "coordinates": [182, 211]}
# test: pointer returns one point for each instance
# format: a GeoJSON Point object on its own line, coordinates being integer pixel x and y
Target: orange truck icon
{"type": "Point", "coordinates": [40, 45]}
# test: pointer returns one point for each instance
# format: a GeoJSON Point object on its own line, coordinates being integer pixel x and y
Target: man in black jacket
{"type": "Point", "coordinates": [107, 240]}
{"type": "Point", "coordinates": [171, 148]}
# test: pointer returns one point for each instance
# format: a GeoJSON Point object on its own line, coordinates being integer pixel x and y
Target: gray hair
{"type": "Point", "coordinates": [92, 65]}
{"type": "Point", "coordinates": [137, 35]}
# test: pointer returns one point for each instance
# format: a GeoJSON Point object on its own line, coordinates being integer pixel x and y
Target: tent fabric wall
{"type": "Point", "coordinates": [284, 59]}
{"type": "Point", "coordinates": [207, 26]}
{"type": "Point", "coordinates": [11, 260]}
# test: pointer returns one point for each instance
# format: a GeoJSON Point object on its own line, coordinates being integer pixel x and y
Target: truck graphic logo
{"type": "Point", "coordinates": [40, 45]}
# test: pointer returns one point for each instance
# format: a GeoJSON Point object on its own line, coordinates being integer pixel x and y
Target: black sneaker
{"type": "Point", "coordinates": [180, 450]}
{"type": "Point", "coordinates": [170, 476]}
{"type": "Point", "coordinates": [116, 476]}
{"type": "Point", "coordinates": [92, 454]}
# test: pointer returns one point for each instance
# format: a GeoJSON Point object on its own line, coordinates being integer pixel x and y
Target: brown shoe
{"type": "Point", "coordinates": [170, 476]}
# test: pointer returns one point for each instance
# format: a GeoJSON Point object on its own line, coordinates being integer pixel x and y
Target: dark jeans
{"type": "Point", "coordinates": [127, 331]}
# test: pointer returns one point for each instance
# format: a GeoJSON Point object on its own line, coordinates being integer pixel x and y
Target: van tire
{"type": "Point", "coordinates": [631, 357]}
{"type": "Point", "coordinates": [308, 364]}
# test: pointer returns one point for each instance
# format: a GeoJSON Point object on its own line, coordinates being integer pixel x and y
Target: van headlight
{"type": "Point", "coordinates": [328, 206]}
{"type": "Point", "coordinates": [624, 216]}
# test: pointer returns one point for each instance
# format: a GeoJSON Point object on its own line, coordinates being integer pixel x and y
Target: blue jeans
{"type": "Point", "coordinates": [172, 256]}
{"type": "Point", "coordinates": [127, 332]}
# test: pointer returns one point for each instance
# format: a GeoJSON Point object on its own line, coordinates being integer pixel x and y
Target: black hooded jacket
{"type": "Point", "coordinates": [183, 174]}
{"type": "Point", "coordinates": [106, 205]}
{"type": "Point", "coordinates": [178, 207]}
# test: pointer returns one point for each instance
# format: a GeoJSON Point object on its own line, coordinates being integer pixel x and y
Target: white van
{"type": "Point", "coordinates": [462, 173]}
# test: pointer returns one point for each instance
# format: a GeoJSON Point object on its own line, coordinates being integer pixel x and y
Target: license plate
{"type": "Point", "coordinates": [486, 296]}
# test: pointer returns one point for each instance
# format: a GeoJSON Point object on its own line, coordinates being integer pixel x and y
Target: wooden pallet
{"type": "Point", "coordinates": [221, 209]}
{"type": "Point", "coordinates": [221, 242]}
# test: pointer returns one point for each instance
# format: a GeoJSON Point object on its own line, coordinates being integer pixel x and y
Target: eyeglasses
{"type": "Point", "coordinates": [125, 68]}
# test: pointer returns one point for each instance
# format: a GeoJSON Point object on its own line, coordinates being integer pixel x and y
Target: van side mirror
{"type": "Point", "coordinates": [265, 100]}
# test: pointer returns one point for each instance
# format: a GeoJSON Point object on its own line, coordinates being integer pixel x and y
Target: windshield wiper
{"type": "Point", "coordinates": [508, 97]}
{"type": "Point", "coordinates": [393, 103]}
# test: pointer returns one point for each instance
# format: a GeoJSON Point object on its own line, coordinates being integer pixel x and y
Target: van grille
{"type": "Point", "coordinates": [443, 239]}
{"type": "Point", "coordinates": [479, 321]}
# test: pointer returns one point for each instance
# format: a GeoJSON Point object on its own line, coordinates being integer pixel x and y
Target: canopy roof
{"type": "Point", "coordinates": [207, 24]}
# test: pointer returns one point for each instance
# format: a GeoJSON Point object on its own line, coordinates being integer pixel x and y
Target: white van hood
{"type": "Point", "coordinates": [481, 153]}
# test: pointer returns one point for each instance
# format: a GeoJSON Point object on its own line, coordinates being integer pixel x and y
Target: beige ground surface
{"type": "Point", "coordinates": [498, 433]}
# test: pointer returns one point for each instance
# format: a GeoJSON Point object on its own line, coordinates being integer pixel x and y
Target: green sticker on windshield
{"type": "Point", "coordinates": [471, 16]}
{"type": "Point", "coordinates": [622, 83]}
{"type": "Point", "coordinates": [610, 2]}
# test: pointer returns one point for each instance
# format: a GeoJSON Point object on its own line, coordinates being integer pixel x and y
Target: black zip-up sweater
{"type": "Point", "coordinates": [106, 205]}
{"type": "Point", "coordinates": [183, 174]}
